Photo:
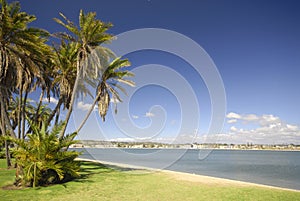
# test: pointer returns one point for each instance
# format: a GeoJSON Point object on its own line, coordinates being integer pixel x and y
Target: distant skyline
{"type": "Point", "coordinates": [255, 46]}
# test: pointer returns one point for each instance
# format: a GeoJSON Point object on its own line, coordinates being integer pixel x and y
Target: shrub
{"type": "Point", "coordinates": [43, 158]}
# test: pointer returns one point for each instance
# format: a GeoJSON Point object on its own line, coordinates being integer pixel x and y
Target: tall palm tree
{"type": "Point", "coordinates": [90, 34]}
{"type": "Point", "coordinates": [23, 52]}
{"type": "Point", "coordinates": [64, 75]}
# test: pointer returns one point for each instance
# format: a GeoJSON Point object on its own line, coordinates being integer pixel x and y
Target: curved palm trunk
{"type": "Point", "coordinates": [57, 116]}
{"type": "Point", "coordinates": [72, 100]}
{"type": "Point", "coordinates": [89, 113]}
{"type": "Point", "coordinates": [55, 111]}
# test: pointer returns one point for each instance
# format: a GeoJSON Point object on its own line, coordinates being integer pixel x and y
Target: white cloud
{"type": "Point", "coordinates": [114, 100]}
{"type": "Point", "coordinates": [32, 101]}
{"type": "Point", "coordinates": [149, 114]}
{"type": "Point", "coordinates": [265, 120]}
{"type": "Point", "coordinates": [122, 140]}
{"type": "Point", "coordinates": [250, 117]}
{"type": "Point", "coordinates": [233, 115]}
{"type": "Point", "coordinates": [264, 129]}
{"type": "Point", "coordinates": [135, 116]}
{"type": "Point", "coordinates": [230, 121]}
{"type": "Point", "coordinates": [84, 106]}
{"type": "Point", "coordinates": [232, 128]}
{"type": "Point", "coordinates": [292, 127]}
{"type": "Point", "coordinates": [52, 100]}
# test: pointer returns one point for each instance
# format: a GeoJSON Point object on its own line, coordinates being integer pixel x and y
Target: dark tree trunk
{"type": "Point", "coordinates": [20, 111]}
{"type": "Point", "coordinates": [5, 119]}
{"type": "Point", "coordinates": [23, 114]}
{"type": "Point", "coordinates": [7, 154]}
{"type": "Point", "coordinates": [57, 116]}
{"type": "Point", "coordinates": [3, 123]}
{"type": "Point", "coordinates": [55, 111]}
{"type": "Point", "coordinates": [39, 106]}
{"type": "Point", "coordinates": [61, 135]}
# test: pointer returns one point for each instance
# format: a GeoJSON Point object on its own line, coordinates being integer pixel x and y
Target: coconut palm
{"type": "Point", "coordinates": [64, 75]}
{"type": "Point", "coordinates": [108, 87]}
{"type": "Point", "coordinates": [23, 53]}
{"type": "Point", "coordinates": [88, 37]}
{"type": "Point", "coordinates": [37, 113]}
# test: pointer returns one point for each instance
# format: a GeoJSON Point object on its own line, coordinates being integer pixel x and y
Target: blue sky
{"type": "Point", "coordinates": [255, 45]}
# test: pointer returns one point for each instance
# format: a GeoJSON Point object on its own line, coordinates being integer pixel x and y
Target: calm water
{"type": "Point", "coordinates": [276, 168]}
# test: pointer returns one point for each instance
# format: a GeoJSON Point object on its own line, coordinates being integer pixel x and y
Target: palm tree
{"type": "Point", "coordinates": [23, 53]}
{"type": "Point", "coordinates": [106, 89]}
{"type": "Point", "coordinates": [42, 159]}
{"type": "Point", "coordinates": [64, 75]}
{"type": "Point", "coordinates": [90, 34]}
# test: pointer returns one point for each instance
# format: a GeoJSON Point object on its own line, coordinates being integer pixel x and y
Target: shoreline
{"type": "Point", "coordinates": [183, 176]}
{"type": "Point", "coordinates": [212, 149]}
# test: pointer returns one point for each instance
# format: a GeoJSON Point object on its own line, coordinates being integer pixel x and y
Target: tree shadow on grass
{"type": "Point", "coordinates": [89, 169]}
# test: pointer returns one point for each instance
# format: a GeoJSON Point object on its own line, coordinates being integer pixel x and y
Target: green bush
{"type": "Point", "coordinates": [43, 158]}
{"type": "Point", "coordinates": [2, 152]}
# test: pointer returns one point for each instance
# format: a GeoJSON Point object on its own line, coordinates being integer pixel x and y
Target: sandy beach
{"type": "Point", "coordinates": [208, 180]}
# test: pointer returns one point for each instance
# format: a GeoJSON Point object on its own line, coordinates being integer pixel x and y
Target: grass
{"type": "Point", "coordinates": [99, 182]}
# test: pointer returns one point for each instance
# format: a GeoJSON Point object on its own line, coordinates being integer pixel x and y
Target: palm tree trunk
{"type": "Point", "coordinates": [19, 111]}
{"type": "Point", "coordinates": [72, 100]}
{"type": "Point", "coordinates": [89, 113]}
{"type": "Point", "coordinates": [57, 116]}
{"type": "Point", "coordinates": [39, 106]}
{"type": "Point", "coordinates": [3, 122]}
{"type": "Point", "coordinates": [5, 118]}
{"type": "Point", "coordinates": [23, 114]}
{"type": "Point", "coordinates": [7, 154]}
{"type": "Point", "coordinates": [55, 111]}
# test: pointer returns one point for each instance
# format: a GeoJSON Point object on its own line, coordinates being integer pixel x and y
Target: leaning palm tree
{"type": "Point", "coordinates": [108, 86]}
{"type": "Point", "coordinates": [90, 35]}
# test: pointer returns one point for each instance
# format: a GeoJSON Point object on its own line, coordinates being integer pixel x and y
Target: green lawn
{"type": "Point", "coordinates": [101, 183]}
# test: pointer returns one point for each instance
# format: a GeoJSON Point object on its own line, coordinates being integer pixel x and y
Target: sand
{"type": "Point", "coordinates": [208, 180]}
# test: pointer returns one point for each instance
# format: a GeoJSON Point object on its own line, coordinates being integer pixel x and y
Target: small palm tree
{"type": "Point", "coordinates": [43, 159]}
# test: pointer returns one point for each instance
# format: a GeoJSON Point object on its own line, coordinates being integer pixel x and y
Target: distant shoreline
{"type": "Point", "coordinates": [202, 146]}
{"type": "Point", "coordinates": [225, 149]}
